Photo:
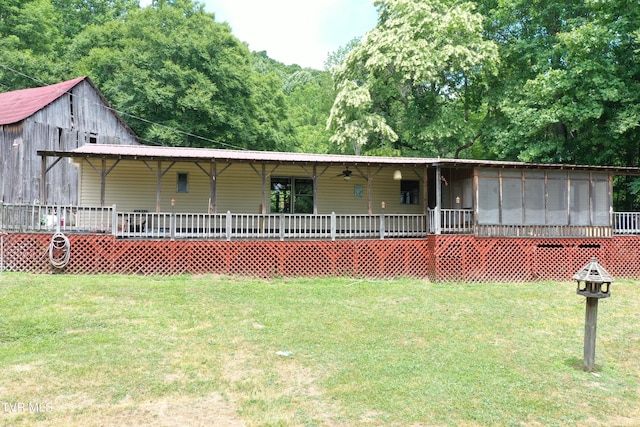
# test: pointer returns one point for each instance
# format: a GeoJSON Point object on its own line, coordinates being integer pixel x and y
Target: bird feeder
{"type": "Point", "coordinates": [594, 282]}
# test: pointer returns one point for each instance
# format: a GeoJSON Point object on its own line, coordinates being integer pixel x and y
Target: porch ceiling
{"type": "Point", "coordinates": [143, 152]}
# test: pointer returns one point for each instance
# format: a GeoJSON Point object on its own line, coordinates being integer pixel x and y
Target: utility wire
{"type": "Point", "coordinates": [123, 113]}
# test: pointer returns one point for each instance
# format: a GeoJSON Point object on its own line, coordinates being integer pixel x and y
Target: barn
{"type": "Point", "coordinates": [63, 116]}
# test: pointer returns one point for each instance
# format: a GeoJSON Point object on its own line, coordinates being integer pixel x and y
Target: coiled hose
{"type": "Point", "coordinates": [59, 250]}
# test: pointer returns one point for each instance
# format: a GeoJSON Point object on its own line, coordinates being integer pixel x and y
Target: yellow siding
{"type": "Point", "coordinates": [131, 185]}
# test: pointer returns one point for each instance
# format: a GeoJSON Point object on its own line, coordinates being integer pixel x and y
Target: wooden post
{"type": "Point", "coordinates": [590, 324]}
{"type": "Point", "coordinates": [438, 218]}
{"type": "Point", "coordinates": [172, 223]}
{"type": "Point", "coordinates": [228, 226]}
{"type": "Point", "coordinates": [333, 226]}
{"type": "Point", "coordinates": [213, 187]}
{"type": "Point", "coordinates": [43, 180]}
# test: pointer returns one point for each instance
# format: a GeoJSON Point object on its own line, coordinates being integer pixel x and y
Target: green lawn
{"type": "Point", "coordinates": [230, 351]}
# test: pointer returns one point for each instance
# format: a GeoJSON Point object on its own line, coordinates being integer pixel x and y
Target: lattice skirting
{"type": "Point", "coordinates": [439, 258]}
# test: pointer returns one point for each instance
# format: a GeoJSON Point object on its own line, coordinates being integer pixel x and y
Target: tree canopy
{"type": "Point", "coordinates": [414, 83]}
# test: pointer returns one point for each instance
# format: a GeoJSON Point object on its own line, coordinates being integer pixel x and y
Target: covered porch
{"type": "Point", "coordinates": [183, 193]}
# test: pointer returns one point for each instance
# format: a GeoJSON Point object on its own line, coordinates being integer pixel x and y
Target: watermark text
{"type": "Point", "coordinates": [25, 407]}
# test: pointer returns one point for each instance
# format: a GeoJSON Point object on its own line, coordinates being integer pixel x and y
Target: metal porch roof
{"type": "Point", "coordinates": [144, 152]}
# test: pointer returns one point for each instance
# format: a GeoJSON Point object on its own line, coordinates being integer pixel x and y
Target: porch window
{"type": "Point", "coordinates": [534, 196]}
{"type": "Point", "coordinates": [409, 191]}
{"type": "Point", "coordinates": [489, 200]}
{"type": "Point", "coordinates": [557, 198]}
{"type": "Point", "coordinates": [182, 182]}
{"type": "Point", "coordinates": [511, 197]}
{"type": "Point", "coordinates": [600, 201]}
{"type": "Point", "coordinates": [291, 195]}
{"type": "Point", "coordinates": [579, 198]}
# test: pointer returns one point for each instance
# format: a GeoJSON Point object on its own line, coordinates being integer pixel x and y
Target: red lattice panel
{"type": "Point", "coordinates": [475, 259]}
{"type": "Point", "coordinates": [28, 253]}
{"type": "Point", "coordinates": [440, 258]}
{"type": "Point", "coordinates": [624, 257]}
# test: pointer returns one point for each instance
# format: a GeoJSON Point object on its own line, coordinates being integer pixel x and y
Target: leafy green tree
{"type": "Point", "coordinates": [177, 68]}
{"type": "Point", "coordinates": [79, 14]}
{"type": "Point", "coordinates": [415, 83]}
{"type": "Point", "coordinates": [310, 95]}
{"type": "Point", "coordinates": [29, 32]}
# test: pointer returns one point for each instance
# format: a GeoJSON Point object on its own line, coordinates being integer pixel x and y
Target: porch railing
{"type": "Point", "coordinates": [45, 218]}
{"type": "Point", "coordinates": [230, 226]}
{"type": "Point", "coordinates": [221, 226]}
{"type": "Point", "coordinates": [452, 221]}
{"type": "Point", "coordinates": [268, 226]}
{"type": "Point", "coordinates": [626, 223]}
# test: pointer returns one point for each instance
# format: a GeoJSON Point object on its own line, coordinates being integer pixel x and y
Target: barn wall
{"type": "Point", "coordinates": [55, 128]}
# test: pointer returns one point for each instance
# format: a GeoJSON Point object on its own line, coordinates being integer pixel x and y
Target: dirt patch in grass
{"type": "Point", "coordinates": [256, 385]}
{"type": "Point", "coordinates": [79, 409]}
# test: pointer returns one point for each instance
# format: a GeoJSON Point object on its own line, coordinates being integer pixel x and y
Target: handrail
{"type": "Point", "coordinates": [46, 218]}
{"type": "Point", "coordinates": [17, 218]}
{"type": "Point", "coordinates": [626, 223]}
{"type": "Point", "coordinates": [233, 226]}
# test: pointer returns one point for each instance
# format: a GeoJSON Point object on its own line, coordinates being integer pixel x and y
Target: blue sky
{"type": "Point", "coordinates": [299, 32]}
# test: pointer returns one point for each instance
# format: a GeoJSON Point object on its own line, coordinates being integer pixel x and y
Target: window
{"type": "Point", "coordinates": [409, 191]}
{"type": "Point", "coordinates": [182, 182]}
{"type": "Point", "coordinates": [489, 201]}
{"type": "Point", "coordinates": [579, 198]}
{"type": "Point", "coordinates": [534, 197]}
{"type": "Point", "coordinates": [600, 201]}
{"type": "Point", "coordinates": [291, 195]}
{"type": "Point", "coordinates": [511, 197]}
{"type": "Point", "coordinates": [93, 138]}
{"type": "Point", "coordinates": [557, 198]}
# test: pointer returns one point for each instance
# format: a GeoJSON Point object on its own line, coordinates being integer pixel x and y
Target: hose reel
{"type": "Point", "coordinates": [59, 250]}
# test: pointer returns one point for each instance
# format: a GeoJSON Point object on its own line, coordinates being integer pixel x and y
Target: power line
{"type": "Point", "coordinates": [133, 116]}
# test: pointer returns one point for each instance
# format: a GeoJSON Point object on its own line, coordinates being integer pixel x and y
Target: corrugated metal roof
{"type": "Point", "coordinates": [209, 154]}
{"type": "Point", "coordinates": [186, 153]}
{"type": "Point", "coordinates": [20, 104]}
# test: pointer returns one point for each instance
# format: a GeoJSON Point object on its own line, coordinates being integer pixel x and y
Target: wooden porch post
{"type": "Point", "coordinates": [213, 187]}
{"type": "Point", "coordinates": [43, 180]}
{"type": "Point", "coordinates": [369, 191]}
{"type": "Point", "coordinates": [315, 189]}
{"type": "Point", "coordinates": [425, 191]}
{"type": "Point", "coordinates": [264, 188]}
{"type": "Point", "coordinates": [159, 174]}
{"type": "Point", "coordinates": [103, 181]}
{"type": "Point", "coordinates": [437, 222]}
{"type": "Point", "coordinates": [159, 185]}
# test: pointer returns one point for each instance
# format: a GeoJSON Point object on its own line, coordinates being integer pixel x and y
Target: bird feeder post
{"type": "Point", "coordinates": [594, 283]}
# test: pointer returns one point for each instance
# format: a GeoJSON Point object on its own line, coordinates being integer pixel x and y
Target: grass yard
{"type": "Point", "coordinates": [230, 351]}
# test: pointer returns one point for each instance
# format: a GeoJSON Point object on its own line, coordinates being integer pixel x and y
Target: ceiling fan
{"type": "Point", "coordinates": [346, 174]}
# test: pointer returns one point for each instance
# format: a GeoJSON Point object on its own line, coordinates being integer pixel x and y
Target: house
{"type": "Point", "coordinates": [63, 116]}
{"type": "Point", "coordinates": [484, 198]}
{"type": "Point", "coordinates": [127, 208]}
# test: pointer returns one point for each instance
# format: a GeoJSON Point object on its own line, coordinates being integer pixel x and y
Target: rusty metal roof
{"type": "Point", "coordinates": [20, 104]}
{"type": "Point", "coordinates": [145, 152]}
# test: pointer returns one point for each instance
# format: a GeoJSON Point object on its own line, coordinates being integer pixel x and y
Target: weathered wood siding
{"type": "Point", "coordinates": [65, 124]}
{"type": "Point", "coordinates": [132, 185]}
